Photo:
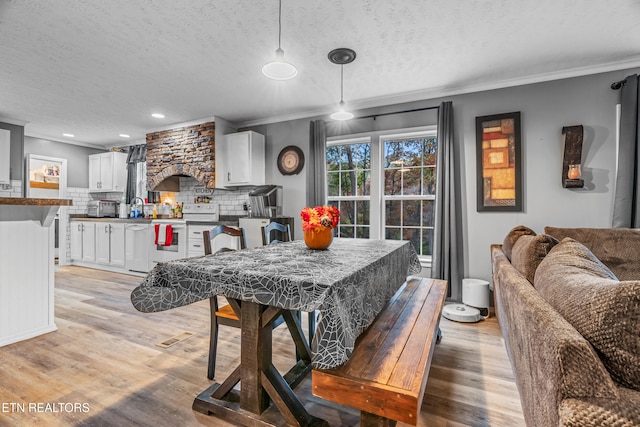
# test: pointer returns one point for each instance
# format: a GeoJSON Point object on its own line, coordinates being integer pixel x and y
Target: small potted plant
{"type": "Point", "coordinates": [317, 225]}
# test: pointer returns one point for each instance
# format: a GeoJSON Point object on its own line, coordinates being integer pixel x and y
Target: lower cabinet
{"type": "Point", "coordinates": [110, 243]}
{"type": "Point", "coordinates": [98, 242]}
{"type": "Point", "coordinates": [83, 241]}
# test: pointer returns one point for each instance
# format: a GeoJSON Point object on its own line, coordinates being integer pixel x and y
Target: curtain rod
{"type": "Point", "coordinates": [618, 85]}
{"type": "Point", "coordinates": [397, 112]}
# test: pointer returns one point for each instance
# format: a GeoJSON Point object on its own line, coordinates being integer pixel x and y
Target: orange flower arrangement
{"type": "Point", "coordinates": [319, 218]}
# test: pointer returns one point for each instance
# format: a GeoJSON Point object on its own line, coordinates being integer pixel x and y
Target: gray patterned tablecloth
{"type": "Point", "coordinates": [349, 284]}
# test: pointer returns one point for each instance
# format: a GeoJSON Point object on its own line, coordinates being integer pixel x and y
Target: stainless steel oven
{"type": "Point", "coordinates": [179, 241]}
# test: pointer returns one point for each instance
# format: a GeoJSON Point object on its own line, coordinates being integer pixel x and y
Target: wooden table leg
{"type": "Point", "coordinates": [255, 357]}
{"type": "Point", "coordinates": [260, 382]}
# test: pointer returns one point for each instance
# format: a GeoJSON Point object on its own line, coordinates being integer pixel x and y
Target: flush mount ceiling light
{"type": "Point", "coordinates": [279, 69]}
{"type": "Point", "coordinates": [68, 135]}
{"type": "Point", "coordinates": [342, 56]}
{"type": "Point", "coordinates": [124, 135]}
{"type": "Point", "coordinates": [158, 115]}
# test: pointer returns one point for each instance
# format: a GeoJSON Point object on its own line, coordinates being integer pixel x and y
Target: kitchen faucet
{"type": "Point", "coordinates": [134, 211]}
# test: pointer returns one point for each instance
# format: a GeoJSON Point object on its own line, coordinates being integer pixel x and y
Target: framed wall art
{"type": "Point", "coordinates": [499, 176]}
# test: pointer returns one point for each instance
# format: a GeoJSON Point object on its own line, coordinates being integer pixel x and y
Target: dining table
{"type": "Point", "coordinates": [347, 285]}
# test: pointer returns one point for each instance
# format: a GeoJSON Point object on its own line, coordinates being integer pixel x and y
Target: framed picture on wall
{"type": "Point", "coordinates": [499, 175]}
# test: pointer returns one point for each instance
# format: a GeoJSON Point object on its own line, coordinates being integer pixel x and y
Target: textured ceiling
{"type": "Point", "coordinates": [99, 68]}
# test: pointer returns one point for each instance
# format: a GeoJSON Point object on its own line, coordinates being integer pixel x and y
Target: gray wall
{"type": "Point", "coordinates": [546, 108]}
{"type": "Point", "coordinates": [77, 157]}
{"type": "Point", "coordinates": [16, 149]}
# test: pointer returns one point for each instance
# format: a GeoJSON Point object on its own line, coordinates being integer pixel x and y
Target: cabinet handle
{"type": "Point", "coordinates": [82, 227]}
{"type": "Point", "coordinates": [228, 176]}
{"type": "Point", "coordinates": [196, 246]}
{"type": "Point", "coordinates": [106, 228]}
{"type": "Point", "coordinates": [79, 227]}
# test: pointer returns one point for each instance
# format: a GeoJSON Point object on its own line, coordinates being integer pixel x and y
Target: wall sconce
{"type": "Point", "coordinates": [571, 163]}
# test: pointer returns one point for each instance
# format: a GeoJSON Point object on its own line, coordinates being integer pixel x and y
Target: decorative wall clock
{"type": "Point", "coordinates": [290, 160]}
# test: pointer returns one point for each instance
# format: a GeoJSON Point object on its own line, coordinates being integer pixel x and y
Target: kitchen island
{"type": "Point", "coordinates": [27, 267]}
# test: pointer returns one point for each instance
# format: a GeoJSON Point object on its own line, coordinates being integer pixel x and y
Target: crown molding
{"type": "Point", "coordinates": [13, 121]}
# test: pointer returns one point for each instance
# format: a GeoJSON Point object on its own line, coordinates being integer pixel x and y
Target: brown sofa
{"type": "Point", "coordinates": [568, 304]}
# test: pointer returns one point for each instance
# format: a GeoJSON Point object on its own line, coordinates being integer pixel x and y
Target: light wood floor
{"type": "Point", "coordinates": [104, 359]}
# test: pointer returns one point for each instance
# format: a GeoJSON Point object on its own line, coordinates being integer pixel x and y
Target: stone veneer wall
{"type": "Point", "coordinates": [189, 150]}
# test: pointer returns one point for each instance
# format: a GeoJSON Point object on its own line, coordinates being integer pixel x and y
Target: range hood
{"type": "Point", "coordinates": [185, 151]}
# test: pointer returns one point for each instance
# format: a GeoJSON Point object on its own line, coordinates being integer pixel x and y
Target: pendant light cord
{"type": "Point", "coordinates": [279, 22]}
{"type": "Point", "coordinates": [341, 82]}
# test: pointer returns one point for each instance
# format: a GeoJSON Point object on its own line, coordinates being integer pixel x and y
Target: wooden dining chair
{"type": "Point", "coordinates": [285, 232]}
{"type": "Point", "coordinates": [225, 315]}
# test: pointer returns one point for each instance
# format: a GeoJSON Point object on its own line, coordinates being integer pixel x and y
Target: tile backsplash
{"type": "Point", "coordinates": [230, 202]}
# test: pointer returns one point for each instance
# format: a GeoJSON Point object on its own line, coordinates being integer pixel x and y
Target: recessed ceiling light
{"type": "Point", "coordinates": [158, 115]}
{"type": "Point", "coordinates": [124, 135]}
{"type": "Point", "coordinates": [70, 135]}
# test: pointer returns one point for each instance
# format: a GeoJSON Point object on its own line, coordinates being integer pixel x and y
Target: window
{"type": "Point", "coordinates": [384, 185]}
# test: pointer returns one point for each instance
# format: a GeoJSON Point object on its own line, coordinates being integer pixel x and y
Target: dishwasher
{"type": "Point", "coordinates": [138, 242]}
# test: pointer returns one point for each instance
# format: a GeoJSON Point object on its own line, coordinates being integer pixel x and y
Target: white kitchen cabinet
{"type": "Point", "coordinates": [108, 172]}
{"type": "Point", "coordinates": [110, 243]}
{"type": "Point", "coordinates": [5, 157]}
{"type": "Point", "coordinates": [83, 241]}
{"type": "Point", "coordinates": [244, 159]}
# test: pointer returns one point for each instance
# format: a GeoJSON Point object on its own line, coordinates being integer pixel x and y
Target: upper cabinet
{"type": "Point", "coordinates": [5, 158]}
{"type": "Point", "coordinates": [244, 159]}
{"type": "Point", "coordinates": [108, 172]}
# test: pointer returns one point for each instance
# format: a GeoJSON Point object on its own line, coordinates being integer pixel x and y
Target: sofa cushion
{"type": "Point", "coordinates": [513, 236]}
{"type": "Point", "coordinates": [604, 310]}
{"type": "Point", "coordinates": [617, 248]}
{"type": "Point", "coordinates": [529, 251]}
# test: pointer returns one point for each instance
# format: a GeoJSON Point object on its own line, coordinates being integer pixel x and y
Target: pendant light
{"type": "Point", "coordinates": [342, 56]}
{"type": "Point", "coordinates": [279, 69]}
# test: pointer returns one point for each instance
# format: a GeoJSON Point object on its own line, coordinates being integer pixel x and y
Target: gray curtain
{"type": "Point", "coordinates": [626, 205]}
{"type": "Point", "coordinates": [136, 154]}
{"type": "Point", "coordinates": [447, 262]}
{"type": "Point", "coordinates": [316, 165]}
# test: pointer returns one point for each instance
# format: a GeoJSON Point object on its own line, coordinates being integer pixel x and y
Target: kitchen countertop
{"type": "Point", "coordinates": [225, 220]}
{"type": "Point", "coordinates": [31, 209]}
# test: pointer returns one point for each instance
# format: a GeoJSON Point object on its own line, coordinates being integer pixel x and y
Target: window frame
{"type": "Point", "coordinates": [376, 195]}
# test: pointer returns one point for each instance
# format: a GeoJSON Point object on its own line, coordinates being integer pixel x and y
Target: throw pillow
{"type": "Point", "coordinates": [604, 310]}
{"type": "Point", "coordinates": [529, 251]}
{"type": "Point", "coordinates": [513, 236]}
{"type": "Point", "coordinates": [617, 248]}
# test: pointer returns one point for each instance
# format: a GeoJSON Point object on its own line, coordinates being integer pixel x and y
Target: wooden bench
{"type": "Point", "coordinates": [386, 375]}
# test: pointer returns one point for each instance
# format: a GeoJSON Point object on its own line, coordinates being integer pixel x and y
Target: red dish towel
{"type": "Point", "coordinates": [165, 230]}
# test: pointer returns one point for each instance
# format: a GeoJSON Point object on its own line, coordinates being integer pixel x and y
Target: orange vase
{"type": "Point", "coordinates": [320, 239]}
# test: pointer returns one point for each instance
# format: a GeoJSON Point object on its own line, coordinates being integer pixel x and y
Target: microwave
{"type": "Point", "coordinates": [102, 209]}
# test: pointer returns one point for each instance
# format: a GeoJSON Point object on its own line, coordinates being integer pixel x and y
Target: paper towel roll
{"type": "Point", "coordinates": [475, 292]}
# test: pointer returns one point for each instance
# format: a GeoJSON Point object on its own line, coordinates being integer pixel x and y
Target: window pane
{"type": "Point", "coordinates": [346, 212]}
{"type": "Point", "coordinates": [333, 184]}
{"type": "Point", "coordinates": [362, 232]}
{"type": "Point", "coordinates": [427, 241]}
{"type": "Point", "coordinates": [364, 183]}
{"type": "Point", "coordinates": [362, 156]}
{"type": "Point", "coordinates": [427, 213]}
{"type": "Point", "coordinates": [412, 155]}
{"type": "Point", "coordinates": [342, 157]}
{"type": "Point", "coordinates": [392, 233]}
{"type": "Point", "coordinates": [411, 181]}
{"type": "Point", "coordinates": [346, 231]}
{"type": "Point", "coordinates": [333, 158]}
{"type": "Point", "coordinates": [392, 182]}
{"type": "Point", "coordinates": [350, 157]}
{"type": "Point", "coordinates": [430, 150]}
{"type": "Point", "coordinates": [393, 212]}
{"type": "Point", "coordinates": [363, 214]}
{"type": "Point", "coordinates": [412, 234]}
{"type": "Point", "coordinates": [392, 154]}
{"type": "Point", "coordinates": [346, 181]}
{"type": "Point", "coordinates": [411, 213]}
{"type": "Point", "coordinates": [429, 181]}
